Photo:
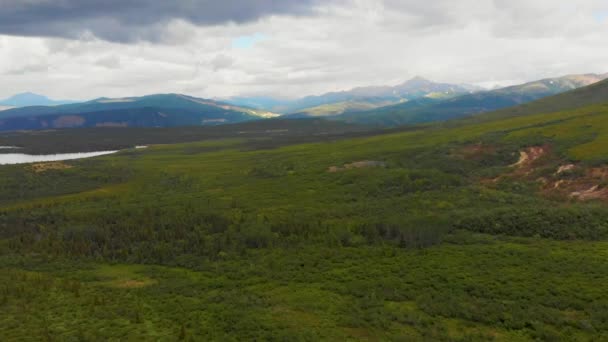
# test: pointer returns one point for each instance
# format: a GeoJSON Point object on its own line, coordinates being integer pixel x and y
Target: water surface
{"type": "Point", "coordinates": [20, 158]}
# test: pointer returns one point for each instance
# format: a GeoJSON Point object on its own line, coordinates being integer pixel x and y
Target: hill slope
{"type": "Point", "coordinates": [429, 234]}
{"type": "Point", "coordinates": [338, 108]}
{"type": "Point", "coordinates": [163, 110]}
{"type": "Point", "coordinates": [492, 231]}
{"type": "Point", "coordinates": [471, 104]}
{"type": "Point", "coordinates": [596, 93]}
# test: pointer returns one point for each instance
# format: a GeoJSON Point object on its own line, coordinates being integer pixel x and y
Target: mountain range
{"type": "Point", "coordinates": [415, 101]}
{"type": "Point", "coordinates": [31, 99]}
{"type": "Point", "coordinates": [594, 94]}
{"type": "Point", "coordinates": [163, 110]}
{"type": "Point", "coordinates": [357, 99]}
{"type": "Point", "coordinates": [431, 109]}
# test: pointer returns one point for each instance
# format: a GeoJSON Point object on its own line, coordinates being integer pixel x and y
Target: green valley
{"type": "Point", "coordinates": [490, 228]}
{"type": "Point", "coordinates": [304, 170]}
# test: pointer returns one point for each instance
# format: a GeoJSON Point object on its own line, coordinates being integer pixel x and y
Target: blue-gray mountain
{"type": "Point", "coordinates": [31, 99]}
{"type": "Point", "coordinates": [429, 109]}
{"type": "Point", "coordinates": [357, 99]}
{"type": "Point", "coordinates": [419, 101]}
{"type": "Point", "coordinates": [164, 110]}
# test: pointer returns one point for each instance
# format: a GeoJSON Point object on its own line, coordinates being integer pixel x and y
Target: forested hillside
{"type": "Point", "coordinates": [494, 230]}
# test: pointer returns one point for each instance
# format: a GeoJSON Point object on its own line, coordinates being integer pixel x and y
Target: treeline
{"type": "Point", "coordinates": [182, 235]}
{"type": "Point", "coordinates": [168, 235]}
{"type": "Point", "coordinates": [558, 222]}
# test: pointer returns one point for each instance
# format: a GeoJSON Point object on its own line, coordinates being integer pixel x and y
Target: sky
{"type": "Point", "coordinates": [84, 49]}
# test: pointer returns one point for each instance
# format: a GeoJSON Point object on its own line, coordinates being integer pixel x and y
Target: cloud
{"type": "Point", "coordinates": [30, 68]}
{"type": "Point", "coordinates": [344, 44]}
{"type": "Point", "coordinates": [601, 16]}
{"type": "Point", "coordinates": [110, 62]}
{"type": "Point", "coordinates": [133, 20]}
{"type": "Point", "coordinates": [221, 62]}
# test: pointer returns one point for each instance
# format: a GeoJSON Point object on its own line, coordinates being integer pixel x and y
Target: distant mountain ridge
{"type": "Point", "coordinates": [429, 110]}
{"type": "Point", "coordinates": [360, 98]}
{"type": "Point", "coordinates": [31, 99]}
{"type": "Point", "coordinates": [162, 110]}
{"type": "Point", "coordinates": [418, 101]}
{"type": "Point", "coordinates": [594, 94]}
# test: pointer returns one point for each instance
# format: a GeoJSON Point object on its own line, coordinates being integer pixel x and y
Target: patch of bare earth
{"type": "Point", "coordinates": [582, 185]}
{"type": "Point", "coordinates": [474, 151]}
{"type": "Point", "coordinates": [132, 284]}
{"type": "Point", "coordinates": [525, 165]}
{"type": "Point", "coordinates": [43, 167]}
{"type": "Point", "coordinates": [357, 165]}
{"type": "Point", "coordinates": [528, 156]}
{"type": "Point", "coordinates": [565, 168]}
{"type": "Point", "coordinates": [592, 193]}
{"type": "Point", "coordinates": [589, 185]}
{"type": "Point", "coordinates": [599, 173]}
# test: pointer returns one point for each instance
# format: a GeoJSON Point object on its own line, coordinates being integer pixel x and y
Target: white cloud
{"type": "Point", "coordinates": [110, 62]}
{"type": "Point", "coordinates": [221, 61]}
{"type": "Point", "coordinates": [346, 44]}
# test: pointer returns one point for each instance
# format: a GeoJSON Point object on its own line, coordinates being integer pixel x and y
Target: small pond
{"type": "Point", "coordinates": [20, 158]}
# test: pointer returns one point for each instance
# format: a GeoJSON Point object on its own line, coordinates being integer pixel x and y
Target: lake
{"type": "Point", "coordinates": [20, 158]}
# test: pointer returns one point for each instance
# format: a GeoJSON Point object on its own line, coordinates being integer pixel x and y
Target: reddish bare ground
{"type": "Point", "coordinates": [565, 168]}
{"type": "Point", "coordinates": [599, 172]}
{"type": "Point", "coordinates": [474, 151]}
{"type": "Point", "coordinates": [528, 156]}
{"type": "Point", "coordinates": [42, 167]}
{"type": "Point", "coordinates": [357, 165]}
{"type": "Point", "coordinates": [588, 186]}
{"type": "Point", "coordinates": [528, 160]}
{"type": "Point", "coordinates": [594, 192]}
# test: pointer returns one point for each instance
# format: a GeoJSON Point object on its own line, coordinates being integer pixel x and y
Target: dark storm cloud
{"type": "Point", "coordinates": [132, 20]}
